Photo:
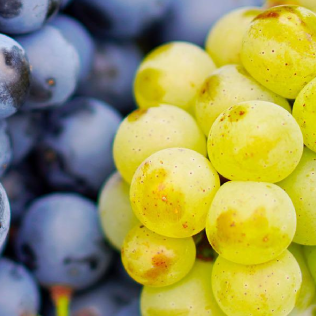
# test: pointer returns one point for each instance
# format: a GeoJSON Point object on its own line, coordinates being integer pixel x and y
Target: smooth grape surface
{"type": "Point", "coordinates": [268, 289]}
{"type": "Point", "coordinates": [255, 141]}
{"type": "Point", "coordinates": [304, 111]}
{"type": "Point", "coordinates": [156, 260]}
{"type": "Point", "coordinates": [191, 296]}
{"type": "Point", "coordinates": [301, 187]}
{"type": "Point", "coordinates": [224, 41]}
{"type": "Point", "coordinates": [226, 87]}
{"type": "Point", "coordinates": [115, 210]}
{"type": "Point", "coordinates": [250, 222]}
{"type": "Point", "coordinates": [172, 191]}
{"type": "Point", "coordinates": [146, 131]}
{"type": "Point", "coordinates": [310, 255]}
{"type": "Point", "coordinates": [279, 49]}
{"type": "Point", "coordinates": [172, 74]}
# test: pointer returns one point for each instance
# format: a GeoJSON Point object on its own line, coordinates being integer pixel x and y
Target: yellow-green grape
{"type": "Point", "coordinates": [301, 187]}
{"type": "Point", "coordinates": [307, 291]}
{"type": "Point", "coordinates": [172, 74]}
{"type": "Point", "coordinates": [146, 131]}
{"type": "Point", "coordinates": [225, 38]}
{"type": "Point", "coordinates": [279, 49]}
{"type": "Point", "coordinates": [255, 141]}
{"type": "Point", "coordinates": [172, 191]}
{"type": "Point", "coordinates": [192, 296]}
{"type": "Point", "coordinates": [156, 260]}
{"type": "Point", "coordinates": [250, 222]}
{"type": "Point", "coordinates": [304, 111]}
{"type": "Point", "coordinates": [268, 289]}
{"type": "Point", "coordinates": [309, 4]}
{"type": "Point", "coordinates": [225, 87]}
{"type": "Point", "coordinates": [115, 211]}
{"type": "Point", "coordinates": [310, 255]}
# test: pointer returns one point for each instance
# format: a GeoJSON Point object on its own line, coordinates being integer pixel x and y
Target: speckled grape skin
{"type": "Point", "coordinates": [304, 111]}
{"type": "Point", "coordinates": [225, 87]}
{"type": "Point", "coordinates": [283, 61]}
{"type": "Point", "coordinates": [55, 67]}
{"type": "Point", "coordinates": [224, 40]}
{"type": "Point", "coordinates": [307, 291]}
{"type": "Point", "coordinates": [115, 211]}
{"type": "Point", "coordinates": [255, 141]}
{"type": "Point", "coordinates": [172, 74]}
{"type": "Point", "coordinates": [250, 222]}
{"type": "Point", "coordinates": [268, 289]}
{"type": "Point", "coordinates": [24, 16]}
{"type": "Point", "coordinates": [191, 296]}
{"type": "Point", "coordinates": [60, 240]}
{"type": "Point", "coordinates": [172, 191]}
{"type": "Point", "coordinates": [300, 186]}
{"type": "Point", "coordinates": [155, 260]}
{"type": "Point", "coordinates": [19, 291]}
{"type": "Point", "coordinates": [146, 131]}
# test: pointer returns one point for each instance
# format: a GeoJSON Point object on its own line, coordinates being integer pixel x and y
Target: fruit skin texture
{"type": "Point", "coordinates": [310, 255]}
{"type": "Point", "coordinates": [300, 186]}
{"type": "Point", "coordinates": [250, 222]}
{"type": "Point", "coordinates": [155, 260]}
{"type": "Point", "coordinates": [172, 74]}
{"type": "Point", "coordinates": [172, 191]}
{"type": "Point", "coordinates": [304, 111]}
{"type": "Point", "coordinates": [224, 41]}
{"type": "Point", "coordinates": [268, 289]}
{"type": "Point", "coordinates": [146, 131]}
{"type": "Point", "coordinates": [191, 296]}
{"type": "Point", "coordinates": [283, 61]}
{"type": "Point", "coordinates": [225, 87]}
{"type": "Point", "coordinates": [255, 141]}
{"type": "Point", "coordinates": [115, 210]}
{"type": "Point", "coordinates": [5, 217]}
{"type": "Point", "coordinates": [309, 4]}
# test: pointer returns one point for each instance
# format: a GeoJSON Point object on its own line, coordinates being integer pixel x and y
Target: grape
{"type": "Point", "coordinates": [309, 4]}
{"type": "Point", "coordinates": [250, 222]}
{"type": "Point", "coordinates": [115, 211]}
{"type": "Point", "coordinates": [172, 74]}
{"type": "Point", "coordinates": [304, 111]}
{"type": "Point", "coordinates": [191, 296]}
{"type": "Point", "coordinates": [225, 87]}
{"type": "Point", "coordinates": [307, 290]}
{"type": "Point", "coordinates": [300, 186]}
{"type": "Point", "coordinates": [145, 132]}
{"type": "Point", "coordinates": [268, 289]}
{"type": "Point", "coordinates": [172, 191]}
{"type": "Point", "coordinates": [279, 49]}
{"type": "Point", "coordinates": [224, 41]}
{"type": "Point", "coordinates": [310, 255]}
{"type": "Point", "coordinates": [255, 141]}
{"type": "Point", "coordinates": [155, 260]}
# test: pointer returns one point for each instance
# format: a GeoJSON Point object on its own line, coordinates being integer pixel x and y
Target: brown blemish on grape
{"type": "Point", "coordinates": [210, 88]}
{"type": "Point", "coordinates": [237, 114]}
{"type": "Point", "coordinates": [268, 15]}
{"type": "Point", "coordinates": [136, 115]}
{"type": "Point", "coordinates": [161, 265]}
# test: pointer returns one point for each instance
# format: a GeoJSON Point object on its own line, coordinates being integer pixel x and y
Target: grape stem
{"type": "Point", "coordinates": [61, 297]}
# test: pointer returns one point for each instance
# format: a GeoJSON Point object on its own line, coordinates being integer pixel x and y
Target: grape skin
{"type": "Point", "coordinates": [268, 289]}
{"type": "Point", "coordinates": [155, 260]}
{"type": "Point", "coordinates": [172, 191]}
{"type": "Point", "coordinates": [250, 222]}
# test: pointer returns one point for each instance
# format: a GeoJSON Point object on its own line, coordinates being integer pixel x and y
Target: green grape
{"type": "Point", "coordinates": [225, 38]}
{"type": "Point", "coordinates": [268, 289]}
{"type": "Point", "coordinates": [304, 111]}
{"type": "Point", "coordinates": [172, 191]}
{"type": "Point", "coordinates": [225, 87]}
{"type": "Point", "coordinates": [145, 132]}
{"type": "Point", "coordinates": [310, 255]}
{"type": "Point", "coordinates": [250, 222]}
{"type": "Point", "coordinates": [156, 260]}
{"type": "Point", "coordinates": [301, 187]}
{"type": "Point", "coordinates": [115, 210]}
{"type": "Point", "coordinates": [309, 4]}
{"type": "Point", "coordinates": [172, 74]}
{"type": "Point", "coordinates": [307, 291]}
{"type": "Point", "coordinates": [192, 296]}
{"type": "Point", "coordinates": [255, 141]}
{"type": "Point", "coordinates": [279, 49]}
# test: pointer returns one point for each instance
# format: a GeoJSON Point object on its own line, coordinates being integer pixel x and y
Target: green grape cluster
{"type": "Point", "coordinates": [214, 203]}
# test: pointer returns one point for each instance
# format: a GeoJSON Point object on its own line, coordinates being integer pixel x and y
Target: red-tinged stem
{"type": "Point", "coordinates": [61, 297]}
